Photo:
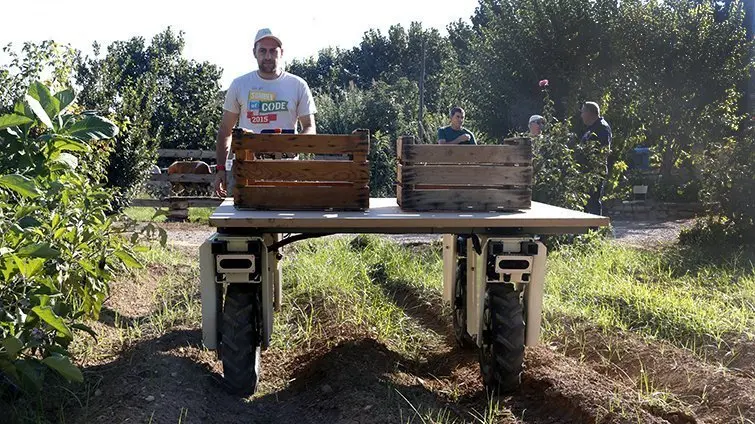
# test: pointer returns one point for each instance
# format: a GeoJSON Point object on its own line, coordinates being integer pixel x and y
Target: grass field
{"type": "Point", "coordinates": [145, 214]}
{"type": "Point", "coordinates": [630, 335]}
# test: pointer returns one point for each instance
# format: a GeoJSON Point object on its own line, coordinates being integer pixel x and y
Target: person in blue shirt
{"type": "Point", "coordinates": [456, 133]}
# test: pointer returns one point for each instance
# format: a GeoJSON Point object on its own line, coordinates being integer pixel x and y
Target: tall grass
{"type": "Point", "coordinates": [336, 282]}
{"type": "Point", "coordinates": [687, 297]}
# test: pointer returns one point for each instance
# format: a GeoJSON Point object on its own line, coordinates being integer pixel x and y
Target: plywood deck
{"type": "Point", "coordinates": [384, 216]}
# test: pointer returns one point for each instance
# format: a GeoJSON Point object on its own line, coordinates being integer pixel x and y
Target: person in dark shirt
{"type": "Point", "coordinates": [456, 133]}
{"type": "Point", "coordinates": [598, 131]}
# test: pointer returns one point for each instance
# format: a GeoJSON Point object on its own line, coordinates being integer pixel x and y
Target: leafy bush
{"type": "Point", "coordinates": [135, 147]}
{"type": "Point", "coordinates": [375, 110]}
{"type": "Point", "coordinates": [729, 190]}
{"type": "Point", "coordinates": [34, 60]}
{"type": "Point", "coordinates": [58, 249]}
{"type": "Point", "coordinates": [157, 98]}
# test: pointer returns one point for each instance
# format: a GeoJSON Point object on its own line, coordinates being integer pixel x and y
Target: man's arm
{"type": "Point", "coordinates": [223, 147]}
{"type": "Point", "coordinates": [308, 125]}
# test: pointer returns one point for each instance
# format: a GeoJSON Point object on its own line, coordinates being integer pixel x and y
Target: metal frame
{"type": "Point", "coordinates": [211, 286]}
{"type": "Point", "coordinates": [271, 278]}
{"type": "Point", "coordinates": [477, 280]}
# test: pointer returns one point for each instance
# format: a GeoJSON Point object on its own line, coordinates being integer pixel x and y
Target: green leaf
{"type": "Point", "coordinates": [38, 250]}
{"type": "Point", "coordinates": [22, 108]}
{"type": "Point", "coordinates": [65, 98]}
{"type": "Point", "coordinates": [92, 127]}
{"type": "Point", "coordinates": [86, 329]}
{"type": "Point", "coordinates": [38, 110]}
{"type": "Point", "coordinates": [62, 364]}
{"type": "Point", "coordinates": [28, 222]}
{"type": "Point", "coordinates": [46, 314]}
{"type": "Point", "coordinates": [12, 346]}
{"type": "Point", "coordinates": [49, 103]}
{"type": "Point", "coordinates": [20, 184]}
{"type": "Point", "coordinates": [29, 268]}
{"type": "Point", "coordinates": [13, 120]}
{"type": "Point", "coordinates": [30, 373]}
{"type": "Point", "coordinates": [128, 259]}
{"type": "Point", "coordinates": [59, 233]}
{"type": "Point", "coordinates": [10, 370]}
{"type": "Point", "coordinates": [69, 144]}
{"type": "Point", "coordinates": [68, 160]}
{"type": "Point", "coordinates": [34, 266]}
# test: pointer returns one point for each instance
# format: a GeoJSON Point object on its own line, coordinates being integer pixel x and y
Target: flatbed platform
{"type": "Point", "coordinates": [384, 216]}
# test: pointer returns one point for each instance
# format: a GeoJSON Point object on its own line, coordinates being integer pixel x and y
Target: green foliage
{"type": "Point", "coordinates": [159, 98]}
{"type": "Point", "coordinates": [47, 58]}
{"type": "Point", "coordinates": [58, 249]}
{"type": "Point", "coordinates": [135, 149]}
{"type": "Point", "coordinates": [667, 74]}
{"type": "Point", "coordinates": [389, 58]}
{"type": "Point", "coordinates": [729, 189]}
{"type": "Point", "coordinates": [377, 109]}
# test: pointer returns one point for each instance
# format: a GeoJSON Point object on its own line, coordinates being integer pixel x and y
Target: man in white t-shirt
{"type": "Point", "coordinates": [266, 99]}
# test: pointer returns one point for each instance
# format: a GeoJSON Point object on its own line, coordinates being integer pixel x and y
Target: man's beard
{"type": "Point", "coordinates": [268, 68]}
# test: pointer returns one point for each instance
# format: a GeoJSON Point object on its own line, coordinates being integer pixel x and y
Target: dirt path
{"type": "Point", "coordinates": [346, 376]}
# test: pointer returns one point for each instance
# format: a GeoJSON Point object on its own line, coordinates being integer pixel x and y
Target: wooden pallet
{"type": "Point", "coordinates": [464, 177]}
{"type": "Point", "coordinates": [280, 184]}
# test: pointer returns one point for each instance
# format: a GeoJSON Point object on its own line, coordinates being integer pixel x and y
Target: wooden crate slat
{"type": "Point", "coordinates": [474, 175]}
{"type": "Point", "coordinates": [445, 154]}
{"type": "Point", "coordinates": [274, 184]}
{"type": "Point", "coordinates": [299, 183]}
{"type": "Point", "coordinates": [183, 178]}
{"type": "Point", "coordinates": [306, 170]}
{"type": "Point", "coordinates": [464, 199]}
{"type": "Point", "coordinates": [302, 198]}
{"type": "Point", "coordinates": [357, 144]}
{"type": "Point", "coordinates": [182, 154]}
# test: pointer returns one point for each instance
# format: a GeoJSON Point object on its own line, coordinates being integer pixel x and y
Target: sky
{"type": "Point", "coordinates": [221, 32]}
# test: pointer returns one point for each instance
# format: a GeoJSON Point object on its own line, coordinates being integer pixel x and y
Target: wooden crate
{"type": "Point", "coordinates": [471, 178]}
{"type": "Point", "coordinates": [265, 183]}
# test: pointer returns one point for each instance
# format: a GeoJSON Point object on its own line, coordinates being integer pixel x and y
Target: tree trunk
{"type": "Point", "coordinates": [667, 159]}
{"type": "Point", "coordinates": [420, 116]}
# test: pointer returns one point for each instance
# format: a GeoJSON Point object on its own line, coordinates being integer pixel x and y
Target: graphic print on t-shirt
{"type": "Point", "coordinates": [262, 107]}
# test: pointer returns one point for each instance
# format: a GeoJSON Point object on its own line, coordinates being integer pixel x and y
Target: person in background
{"type": "Point", "coordinates": [598, 131]}
{"type": "Point", "coordinates": [456, 133]}
{"type": "Point", "coordinates": [536, 125]}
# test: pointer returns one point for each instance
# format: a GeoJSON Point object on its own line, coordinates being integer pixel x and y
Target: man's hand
{"type": "Point", "coordinates": [458, 140]}
{"type": "Point", "coordinates": [221, 187]}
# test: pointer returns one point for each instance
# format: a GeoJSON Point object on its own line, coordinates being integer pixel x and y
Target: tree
{"type": "Point", "coordinates": [157, 97]}
{"type": "Point", "coordinates": [35, 59]}
{"type": "Point", "coordinates": [187, 111]}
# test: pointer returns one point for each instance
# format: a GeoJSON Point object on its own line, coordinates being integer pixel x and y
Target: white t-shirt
{"type": "Point", "coordinates": [269, 104]}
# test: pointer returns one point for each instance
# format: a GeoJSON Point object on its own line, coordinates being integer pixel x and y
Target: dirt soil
{"type": "Point", "coordinates": [349, 377]}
